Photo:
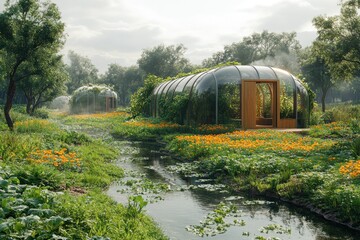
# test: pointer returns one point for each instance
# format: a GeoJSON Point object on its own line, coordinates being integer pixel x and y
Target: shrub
{"type": "Point", "coordinates": [39, 175]}
{"type": "Point", "coordinates": [316, 118]}
{"type": "Point", "coordinates": [142, 98]}
{"type": "Point", "coordinates": [41, 113]}
{"type": "Point", "coordinates": [15, 147]}
{"type": "Point", "coordinates": [355, 147]}
{"type": "Point", "coordinates": [72, 137]}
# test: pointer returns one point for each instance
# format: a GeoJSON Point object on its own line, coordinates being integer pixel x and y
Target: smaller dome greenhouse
{"type": "Point", "coordinates": [247, 97]}
{"type": "Point", "coordinates": [92, 99]}
{"type": "Point", "coordinates": [60, 103]}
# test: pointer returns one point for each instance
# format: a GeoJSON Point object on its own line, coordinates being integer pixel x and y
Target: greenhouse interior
{"type": "Point", "coordinates": [93, 99]}
{"type": "Point", "coordinates": [247, 97]}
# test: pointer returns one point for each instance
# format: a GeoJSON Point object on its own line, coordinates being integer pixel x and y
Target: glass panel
{"type": "Point", "coordinates": [181, 85]}
{"type": "Point", "coordinates": [189, 84]}
{"type": "Point", "coordinates": [263, 100]}
{"type": "Point", "coordinates": [227, 75]}
{"type": "Point", "coordinates": [194, 82]}
{"type": "Point", "coordinates": [228, 80]}
{"type": "Point", "coordinates": [302, 106]}
{"type": "Point", "coordinates": [155, 102]}
{"type": "Point", "coordinates": [159, 101]}
{"type": "Point", "coordinates": [202, 105]}
{"type": "Point", "coordinates": [156, 90]}
{"type": "Point", "coordinates": [266, 73]}
{"type": "Point", "coordinates": [172, 88]}
{"type": "Point", "coordinates": [173, 107]}
{"type": "Point", "coordinates": [287, 94]}
{"type": "Point", "coordinates": [166, 88]}
{"type": "Point", "coordinates": [248, 72]}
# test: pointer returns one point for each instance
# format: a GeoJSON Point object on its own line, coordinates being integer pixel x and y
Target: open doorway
{"type": "Point", "coordinates": [264, 105]}
{"type": "Point", "coordinates": [259, 108]}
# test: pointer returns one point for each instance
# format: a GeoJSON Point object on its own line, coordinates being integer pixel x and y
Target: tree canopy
{"type": "Point", "coordinates": [47, 83]}
{"type": "Point", "coordinates": [317, 74]}
{"type": "Point", "coordinates": [124, 80]}
{"type": "Point", "coordinates": [255, 47]}
{"type": "Point", "coordinates": [338, 41]}
{"type": "Point", "coordinates": [81, 72]}
{"type": "Point", "coordinates": [27, 27]}
{"type": "Point", "coordinates": [164, 61]}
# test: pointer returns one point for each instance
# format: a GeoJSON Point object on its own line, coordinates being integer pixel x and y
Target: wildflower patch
{"type": "Point", "coordinates": [61, 159]}
{"type": "Point", "coordinates": [351, 168]}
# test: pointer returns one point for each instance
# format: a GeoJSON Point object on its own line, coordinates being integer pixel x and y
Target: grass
{"type": "Point", "coordinates": [52, 182]}
{"type": "Point", "coordinates": [321, 170]}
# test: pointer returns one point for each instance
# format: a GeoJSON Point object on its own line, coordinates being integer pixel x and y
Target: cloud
{"type": "Point", "coordinates": [306, 37]}
{"type": "Point", "coordinates": [124, 40]}
{"type": "Point", "coordinates": [287, 17]}
{"type": "Point", "coordinates": [117, 31]}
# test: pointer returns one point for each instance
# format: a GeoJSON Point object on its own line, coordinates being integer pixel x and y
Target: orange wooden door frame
{"type": "Point", "coordinates": [248, 103]}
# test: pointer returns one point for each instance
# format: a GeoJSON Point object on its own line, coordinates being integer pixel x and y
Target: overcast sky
{"type": "Point", "coordinates": [117, 31]}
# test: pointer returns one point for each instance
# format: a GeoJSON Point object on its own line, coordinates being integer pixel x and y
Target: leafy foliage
{"type": "Point", "coordinates": [255, 47]}
{"type": "Point", "coordinates": [28, 29]}
{"type": "Point", "coordinates": [29, 211]}
{"type": "Point", "coordinates": [164, 61]}
{"type": "Point", "coordinates": [141, 100]}
{"type": "Point", "coordinates": [46, 81]}
{"type": "Point", "coordinates": [338, 40]}
{"type": "Point", "coordinates": [81, 72]}
{"type": "Point", "coordinates": [125, 81]}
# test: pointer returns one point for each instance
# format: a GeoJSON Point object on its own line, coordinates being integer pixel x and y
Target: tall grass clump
{"type": "Point", "coordinates": [35, 126]}
{"type": "Point", "coordinates": [15, 147]}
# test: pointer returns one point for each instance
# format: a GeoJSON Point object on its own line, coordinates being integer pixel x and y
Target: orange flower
{"type": "Point", "coordinates": [351, 168]}
{"type": "Point", "coordinates": [102, 115]}
{"type": "Point", "coordinates": [266, 140]}
{"type": "Point", "coordinates": [58, 159]}
{"type": "Point", "coordinates": [150, 125]}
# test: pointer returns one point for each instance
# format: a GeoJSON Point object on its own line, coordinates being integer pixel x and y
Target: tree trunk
{"type": "Point", "coordinates": [9, 100]}
{"type": "Point", "coordinates": [323, 102]}
{"type": "Point", "coordinates": [10, 95]}
{"type": "Point", "coordinates": [28, 106]}
{"type": "Point", "coordinates": [324, 90]}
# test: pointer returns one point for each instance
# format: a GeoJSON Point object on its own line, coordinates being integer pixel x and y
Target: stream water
{"type": "Point", "coordinates": [194, 207]}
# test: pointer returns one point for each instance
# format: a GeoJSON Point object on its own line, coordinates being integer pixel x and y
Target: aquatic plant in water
{"type": "Point", "coordinates": [225, 215]}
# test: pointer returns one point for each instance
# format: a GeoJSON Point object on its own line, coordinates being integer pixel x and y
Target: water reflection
{"type": "Point", "coordinates": [180, 209]}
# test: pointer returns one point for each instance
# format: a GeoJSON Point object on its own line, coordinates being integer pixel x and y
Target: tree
{"type": "Point", "coordinates": [317, 74]}
{"type": "Point", "coordinates": [164, 61]}
{"type": "Point", "coordinates": [125, 81]}
{"type": "Point", "coordinates": [216, 59]}
{"type": "Point", "coordinates": [256, 47]}
{"type": "Point", "coordinates": [26, 27]}
{"type": "Point", "coordinates": [48, 83]}
{"type": "Point", "coordinates": [135, 79]}
{"type": "Point", "coordinates": [141, 100]}
{"type": "Point", "coordinates": [81, 72]}
{"type": "Point", "coordinates": [338, 41]}
{"type": "Point", "coordinates": [2, 80]}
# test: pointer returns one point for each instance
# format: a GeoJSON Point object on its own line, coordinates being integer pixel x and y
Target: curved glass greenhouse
{"type": "Point", "coordinates": [92, 99]}
{"type": "Point", "coordinates": [245, 96]}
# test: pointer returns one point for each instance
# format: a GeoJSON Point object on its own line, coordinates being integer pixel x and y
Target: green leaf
{"type": "Point", "coordinates": [56, 221]}
{"type": "Point", "coordinates": [4, 184]}
{"type": "Point", "coordinates": [5, 226]}
{"type": "Point", "coordinates": [41, 212]}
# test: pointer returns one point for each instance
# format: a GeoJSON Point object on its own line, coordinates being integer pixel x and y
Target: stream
{"type": "Point", "coordinates": [192, 206]}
